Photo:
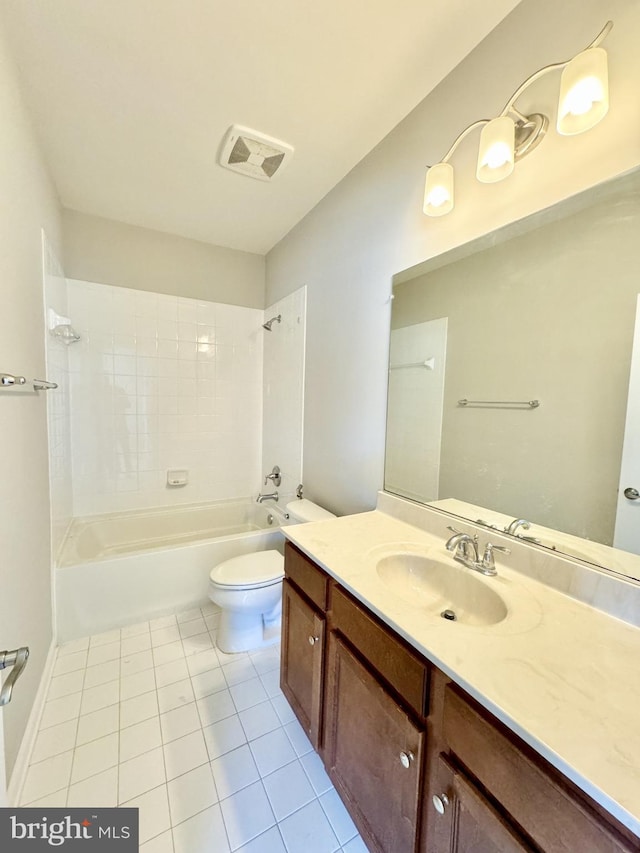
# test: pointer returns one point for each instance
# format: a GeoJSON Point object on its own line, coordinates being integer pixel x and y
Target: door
{"type": "Point", "coordinates": [462, 820]}
{"type": "Point", "coordinates": [373, 753]}
{"type": "Point", "coordinates": [301, 671]}
{"type": "Point", "coordinates": [627, 530]}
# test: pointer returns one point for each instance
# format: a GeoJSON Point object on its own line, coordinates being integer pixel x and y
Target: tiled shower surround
{"type": "Point", "coordinates": [162, 382]}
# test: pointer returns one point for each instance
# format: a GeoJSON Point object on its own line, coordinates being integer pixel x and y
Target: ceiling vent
{"type": "Point", "coordinates": [254, 154]}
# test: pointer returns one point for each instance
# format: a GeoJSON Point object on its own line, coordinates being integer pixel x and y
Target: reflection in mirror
{"type": "Point", "coordinates": [542, 310]}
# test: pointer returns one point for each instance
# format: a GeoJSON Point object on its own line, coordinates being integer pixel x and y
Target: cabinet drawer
{"type": "Point", "coordinates": [307, 576]}
{"type": "Point", "coordinates": [526, 787]}
{"type": "Point", "coordinates": [399, 666]}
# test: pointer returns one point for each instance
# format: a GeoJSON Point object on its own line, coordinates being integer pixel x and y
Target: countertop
{"type": "Point", "coordinates": [562, 675]}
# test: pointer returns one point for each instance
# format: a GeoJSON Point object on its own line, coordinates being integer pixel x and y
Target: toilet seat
{"type": "Point", "coordinates": [250, 571]}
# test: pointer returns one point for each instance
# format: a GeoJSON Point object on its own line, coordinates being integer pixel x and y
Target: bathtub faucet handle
{"type": "Point", "coordinates": [274, 476]}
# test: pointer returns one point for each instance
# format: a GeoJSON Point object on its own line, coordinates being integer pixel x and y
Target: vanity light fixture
{"type": "Point", "coordinates": [582, 103]}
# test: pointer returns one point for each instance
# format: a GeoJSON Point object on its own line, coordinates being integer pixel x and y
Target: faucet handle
{"type": "Point", "coordinates": [488, 563]}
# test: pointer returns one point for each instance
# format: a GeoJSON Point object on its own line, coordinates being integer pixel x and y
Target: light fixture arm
{"type": "Point", "coordinates": [556, 66]}
{"type": "Point", "coordinates": [462, 136]}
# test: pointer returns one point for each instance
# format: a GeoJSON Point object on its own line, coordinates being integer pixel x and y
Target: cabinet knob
{"type": "Point", "coordinates": [440, 802]}
{"type": "Point", "coordinates": [405, 759]}
{"type": "Point", "coordinates": [313, 640]}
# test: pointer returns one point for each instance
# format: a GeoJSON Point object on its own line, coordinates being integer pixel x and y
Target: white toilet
{"type": "Point", "coordinates": [249, 590]}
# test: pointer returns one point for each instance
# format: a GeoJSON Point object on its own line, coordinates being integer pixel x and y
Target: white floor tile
{"type": "Point", "coordinates": [105, 638]}
{"type": "Point", "coordinates": [179, 722]}
{"type": "Point", "coordinates": [70, 663]}
{"type": "Point", "coordinates": [283, 709]}
{"type": "Point", "coordinates": [224, 736]}
{"type": "Point", "coordinates": [136, 662]}
{"type": "Point", "coordinates": [189, 615]}
{"type": "Point", "coordinates": [203, 832]}
{"type": "Point", "coordinates": [356, 845]}
{"type": "Point", "coordinates": [248, 693]}
{"type": "Point", "coordinates": [137, 684]}
{"type": "Point", "coordinates": [134, 630]}
{"type": "Point", "coordinates": [141, 774]}
{"type": "Point", "coordinates": [314, 769]}
{"type": "Point", "coordinates": [169, 673]}
{"type": "Point", "coordinates": [308, 829]}
{"type": "Point", "coordinates": [102, 654]}
{"type": "Point", "coordinates": [54, 740]}
{"type": "Point", "coordinates": [99, 791]}
{"type": "Point", "coordinates": [69, 648]}
{"type": "Point", "coordinates": [99, 697]}
{"type": "Point", "coordinates": [133, 645]}
{"type": "Point", "coordinates": [299, 740]}
{"type": "Point", "coordinates": [196, 644]}
{"type": "Point", "coordinates": [266, 660]}
{"type": "Point", "coordinates": [174, 695]}
{"type": "Point", "coordinates": [56, 800]}
{"type": "Point", "coordinates": [269, 842]}
{"type": "Point", "coordinates": [97, 724]}
{"type": "Point", "coordinates": [64, 685]}
{"type": "Point", "coordinates": [203, 662]}
{"type": "Point", "coordinates": [60, 710]}
{"type": "Point", "coordinates": [215, 707]}
{"type": "Point", "coordinates": [101, 673]}
{"type": "Point", "coordinates": [238, 671]}
{"type": "Point", "coordinates": [209, 607]}
{"type": "Point", "coordinates": [191, 628]}
{"type": "Point", "coordinates": [94, 757]}
{"type": "Point", "coordinates": [47, 776]}
{"type": "Point", "coordinates": [154, 812]}
{"type": "Point", "coordinates": [139, 708]}
{"type": "Point", "coordinates": [191, 793]}
{"type": "Point", "coordinates": [162, 622]}
{"type": "Point", "coordinates": [272, 751]}
{"type": "Point", "coordinates": [259, 720]}
{"type": "Point", "coordinates": [341, 823]}
{"type": "Point", "coordinates": [224, 657]}
{"type": "Point", "coordinates": [288, 790]}
{"type": "Point", "coordinates": [185, 754]}
{"type": "Point", "coordinates": [140, 738]}
{"type": "Point", "coordinates": [164, 636]}
{"type": "Point", "coordinates": [160, 844]}
{"type": "Point", "coordinates": [168, 653]}
{"type": "Point", "coordinates": [208, 682]}
{"type": "Point", "coordinates": [233, 771]}
{"type": "Point", "coordinates": [271, 683]}
{"type": "Point", "coordinates": [248, 814]}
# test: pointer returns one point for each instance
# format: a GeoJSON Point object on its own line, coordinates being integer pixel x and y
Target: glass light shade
{"type": "Point", "coordinates": [496, 154]}
{"type": "Point", "coordinates": [438, 190]}
{"type": "Point", "coordinates": [584, 92]}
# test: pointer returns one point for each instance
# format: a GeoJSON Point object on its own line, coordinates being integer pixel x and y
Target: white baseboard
{"type": "Point", "coordinates": [19, 775]}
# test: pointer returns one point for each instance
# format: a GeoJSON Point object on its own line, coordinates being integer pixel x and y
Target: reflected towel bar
{"type": "Point", "coordinates": [526, 404]}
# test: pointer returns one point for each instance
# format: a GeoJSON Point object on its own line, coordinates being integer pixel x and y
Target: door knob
{"type": "Point", "coordinates": [631, 494]}
{"type": "Point", "coordinates": [440, 802]}
{"type": "Point", "coordinates": [405, 759]}
{"type": "Point", "coordinates": [313, 640]}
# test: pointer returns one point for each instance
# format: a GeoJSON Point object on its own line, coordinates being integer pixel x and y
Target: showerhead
{"type": "Point", "coordinates": [270, 322]}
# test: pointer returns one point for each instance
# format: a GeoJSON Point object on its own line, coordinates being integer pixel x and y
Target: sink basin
{"type": "Point", "coordinates": [436, 586]}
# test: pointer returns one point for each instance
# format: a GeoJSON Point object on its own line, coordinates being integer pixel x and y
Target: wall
{"type": "Point", "coordinates": [283, 393]}
{"type": "Point", "coordinates": [162, 382]}
{"type": "Point", "coordinates": [28, 204]}
{"type": "Point", "coordinates": [371, 225]}
{"type": "Point", "coordinates": [97, 249]}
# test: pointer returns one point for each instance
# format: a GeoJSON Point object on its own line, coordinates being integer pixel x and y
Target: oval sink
{"type": "Point", "coordinates": [437, 586]}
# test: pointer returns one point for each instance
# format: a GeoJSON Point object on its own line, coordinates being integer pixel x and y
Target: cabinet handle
{"type": "Point", "coordinates": [440, 802]}
{"type": "Point", "coordinates": [313, 640]}
{"type": "Point", "coordinates": [405, 759]}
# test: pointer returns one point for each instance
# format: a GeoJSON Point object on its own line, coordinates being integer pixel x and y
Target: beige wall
{"type": "Point", "coordinates": [371, 225]}
{"type": "Point", "coordinates": [28, 204]}
{"type": "Point", "coordinates": [109, 252]}
{"type": "Point", "coordinates": [547, 315]}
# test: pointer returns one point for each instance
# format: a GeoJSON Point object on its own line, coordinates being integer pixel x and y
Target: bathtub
{"type": "Point", "coordinates": [120, 568]}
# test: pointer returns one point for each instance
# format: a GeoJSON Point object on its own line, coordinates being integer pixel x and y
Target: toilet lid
{"type": "Point", "coordinates": [258, 568]}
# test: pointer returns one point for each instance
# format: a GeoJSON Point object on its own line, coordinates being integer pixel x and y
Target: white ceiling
{"type": "Point", "coordinates": [131, 98]}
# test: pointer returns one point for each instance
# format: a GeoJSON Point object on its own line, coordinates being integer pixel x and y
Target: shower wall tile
{"type": "Point", "coordinates": [58, 402]}
{"type": "Point", "coordinates": [283, 390]}
{"type": "Point", "coordinates": [162, 382]}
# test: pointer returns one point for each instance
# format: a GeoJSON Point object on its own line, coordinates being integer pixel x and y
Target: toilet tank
{"type": "Point", "coordinates": [304, 510]}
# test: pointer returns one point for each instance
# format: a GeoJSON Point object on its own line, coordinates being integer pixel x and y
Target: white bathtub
{"type": "Point", "coordinates": [120, 568]}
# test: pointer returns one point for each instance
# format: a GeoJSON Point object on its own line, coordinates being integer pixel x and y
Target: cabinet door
{"type": "Point", "coordinates": [373, 753]}
{"type": "Point", "coordinates": [462, 820]}
{"type": "Point", "coordinates": [302, 660]}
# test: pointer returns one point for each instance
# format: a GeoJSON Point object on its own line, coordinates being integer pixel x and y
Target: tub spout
{"type": "Point", "coordinates": [272, 497]}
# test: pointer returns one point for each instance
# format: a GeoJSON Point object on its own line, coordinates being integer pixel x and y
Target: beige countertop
{"type": "Point", "coordinates": [561, 674]}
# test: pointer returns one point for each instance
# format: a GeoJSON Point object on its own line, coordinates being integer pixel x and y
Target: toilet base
{"type": "Point", "coordinates": [243, 632]}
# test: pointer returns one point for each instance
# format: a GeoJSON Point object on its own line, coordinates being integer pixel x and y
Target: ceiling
{"type": "Point", "coordinates": [131, 98]}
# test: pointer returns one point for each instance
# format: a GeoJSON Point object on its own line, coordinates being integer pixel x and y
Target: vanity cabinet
{"type": "Point", "coordinates": [421, 766]}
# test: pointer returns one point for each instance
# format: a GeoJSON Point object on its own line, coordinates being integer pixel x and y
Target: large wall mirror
{"type": "Point", "coordinates": [509, 370]}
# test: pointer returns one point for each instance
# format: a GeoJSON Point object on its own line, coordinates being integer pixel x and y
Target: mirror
{"type": "Point", "coordinates": [533, 327]}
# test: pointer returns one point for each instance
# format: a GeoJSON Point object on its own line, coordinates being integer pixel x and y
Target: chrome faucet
{"type": "Point", "coordinates": [515, 524]}
{"type": "Point", "coordinates": [466, 552]}
{"type": "Point", "coordinates": [272, 497]}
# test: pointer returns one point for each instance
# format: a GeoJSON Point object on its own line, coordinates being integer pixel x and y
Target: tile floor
{"type": "Point", "coordinates": [203, 743]}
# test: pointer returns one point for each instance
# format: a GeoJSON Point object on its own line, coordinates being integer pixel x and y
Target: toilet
{"type": "Point", "coordinates": [248, 589]}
